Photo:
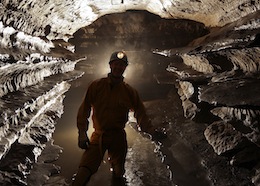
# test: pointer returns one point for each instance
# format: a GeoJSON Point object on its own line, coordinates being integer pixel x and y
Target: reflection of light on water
{"type": "Point", "coordinates": [131, 117]}
{"type": "Point", "coordinates": [142, 166]}
{"type": "Point", "coordinates": [141, 163]}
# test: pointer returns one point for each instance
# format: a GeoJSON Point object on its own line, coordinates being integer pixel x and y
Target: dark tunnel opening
{"type": "Point", "coordinates": [138, 33]}
{"type": "Point", "coordinates": [136, 30]}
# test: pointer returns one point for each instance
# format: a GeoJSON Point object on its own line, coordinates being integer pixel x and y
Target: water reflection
{"type": "Point", "coordinates": [144, 159]}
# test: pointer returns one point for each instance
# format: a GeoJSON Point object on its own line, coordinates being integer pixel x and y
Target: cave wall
{"type": "Point", "coordinates": [39, 51]}
{"type": "Point", "coordinates": [217, 83]}
{"type": "Point", "coordinates": [32, 93]}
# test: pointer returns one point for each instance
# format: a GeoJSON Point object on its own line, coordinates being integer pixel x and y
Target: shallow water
{"type": "Point", "coordinates": [148, 163]}
{"type": "Point", "coordinates": [143, 166]}
{"type": "Point", "coordinates": [66, 136]}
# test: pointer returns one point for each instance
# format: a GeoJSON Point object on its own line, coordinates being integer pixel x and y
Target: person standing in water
{"type": "Point", "coordinates": [110, 99]}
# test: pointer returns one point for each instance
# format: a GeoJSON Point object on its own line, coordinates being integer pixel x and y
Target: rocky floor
{"type": "Point", "coordinates": [219, 172]}
{"type": "Point", "coordinates": [186, 153]}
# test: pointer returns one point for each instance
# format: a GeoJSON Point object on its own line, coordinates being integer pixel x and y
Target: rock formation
{"type": "Point", "coordinates": [219, 79]}
{"type": "Point", "coordinates": [213, 47]}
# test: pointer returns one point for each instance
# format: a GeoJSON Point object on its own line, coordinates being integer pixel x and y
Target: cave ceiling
{"type": "Point", "coordinates": [50, 27]}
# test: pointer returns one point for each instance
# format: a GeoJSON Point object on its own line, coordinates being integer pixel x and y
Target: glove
{"type": "Point", "coordinates": [83, 140]}
{"type": "Point", "coordinates": [159, 134]}
{"type": "Point", "coordinates": [83, 144]}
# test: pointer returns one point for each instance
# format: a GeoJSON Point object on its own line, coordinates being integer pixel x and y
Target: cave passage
{"type": "Point", "coordinates": [181, 165]}
{"type": "Point", "coordinates": [138, 33]}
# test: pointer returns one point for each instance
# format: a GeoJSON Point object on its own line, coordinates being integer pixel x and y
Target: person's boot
{"type": "Point", "coordinates": [82, 177]}
{"type": "Point", "coordinates": [118, 181]}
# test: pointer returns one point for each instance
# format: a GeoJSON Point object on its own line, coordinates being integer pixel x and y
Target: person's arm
{"type": "Point", "coordinates": [82, 120]}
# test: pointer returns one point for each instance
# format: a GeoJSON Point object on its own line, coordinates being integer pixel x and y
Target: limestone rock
{"type": "Point", "coordinates": [223, 137]}
{"type": "Point", "coordinates": [245, 121]}
{"type": "Point", "coordinates": [236, 92]}
{"type": "Point", "coordinates": [248, 55]}
{"type": "Point", "coordinates": [198, 63]}
{"type": "Point", "coordinates": [185, 90]}
{"type": "Point", "coordinates": [218, 71]}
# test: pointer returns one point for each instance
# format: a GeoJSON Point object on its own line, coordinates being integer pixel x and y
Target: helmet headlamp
{"type": "Point", "coordinates": [119, 55]}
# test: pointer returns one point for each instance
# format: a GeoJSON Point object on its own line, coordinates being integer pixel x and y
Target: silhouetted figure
{"type": "Point", "coordinates": [110, 99]}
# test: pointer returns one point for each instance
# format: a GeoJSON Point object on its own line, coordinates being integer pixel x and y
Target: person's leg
{"type": "Point", "coordinates": [82, 177]}
{"type": "Point", "coordinates": [117, 154]}
{"type": "Point", "coordinates": [89, 164]}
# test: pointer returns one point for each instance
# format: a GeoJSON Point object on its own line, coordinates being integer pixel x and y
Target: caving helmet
{"type": "Point", "coordinates": [119, 55]}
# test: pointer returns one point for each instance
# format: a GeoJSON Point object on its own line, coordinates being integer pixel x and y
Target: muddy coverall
{"type": "Point", "coordinates": [111, 105]}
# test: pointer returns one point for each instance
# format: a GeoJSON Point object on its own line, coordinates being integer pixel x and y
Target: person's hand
{"type": "Point", "coordinates": [159, 134]}
{"type": "Point", "coordinates": [83, 140]}
{"type": "Point", "coordinates": [83, 144]}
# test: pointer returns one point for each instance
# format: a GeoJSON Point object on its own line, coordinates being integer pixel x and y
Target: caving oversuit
{"type": "Point", "coordinates": [110, 104]}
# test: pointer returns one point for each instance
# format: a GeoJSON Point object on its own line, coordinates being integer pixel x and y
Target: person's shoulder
{"type": "Point", "coordinates": [126, 84]}
{"type": "Point", "coordinates": [100, 80]}
{"type": "Point", "coordinates": [97, 82]}
{"type": "Point", "coordinates": [129, 87]}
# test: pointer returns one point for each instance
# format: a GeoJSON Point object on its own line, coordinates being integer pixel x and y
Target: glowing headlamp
{"type": "Point", "coordinates": [120, 55]}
